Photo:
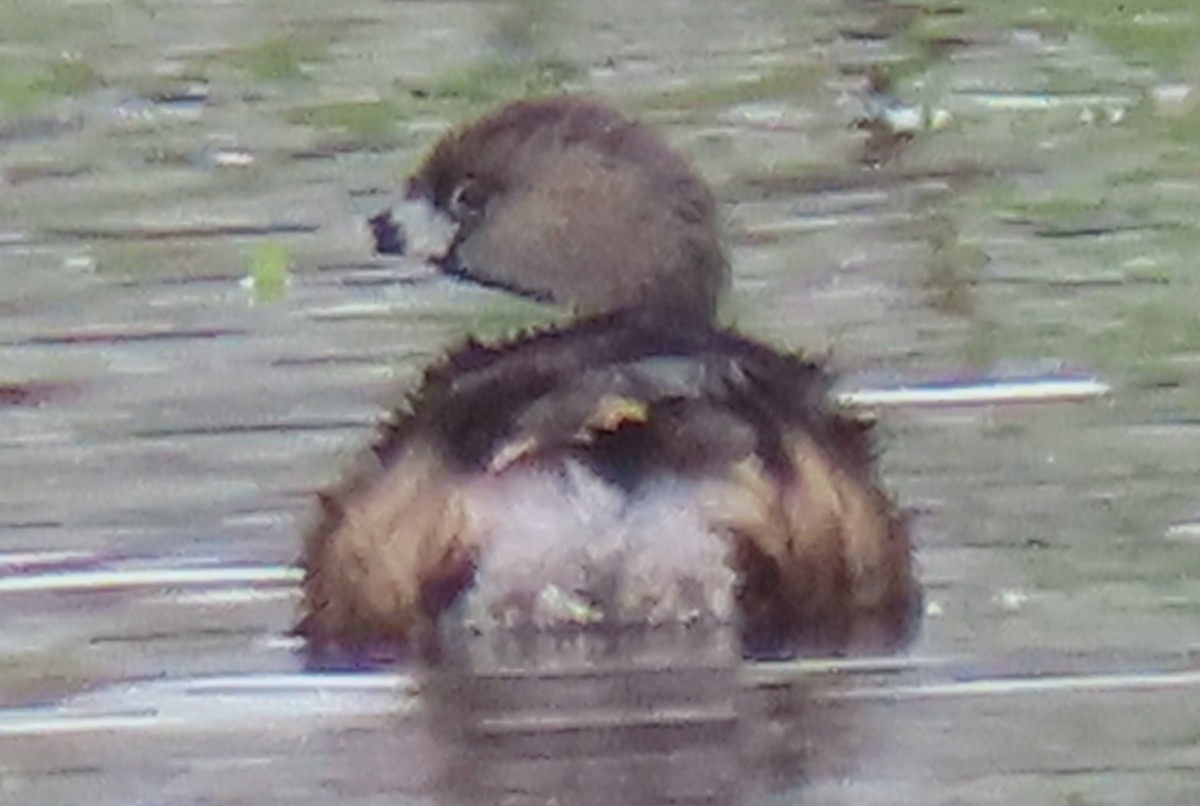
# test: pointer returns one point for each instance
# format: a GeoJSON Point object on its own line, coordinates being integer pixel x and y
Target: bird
{"type": "Point", "coordinates": [614, 470]}
{"type": "Point", "coordinates": [564, 199]}
{"type": "Point", "coordinates": [638, 465]}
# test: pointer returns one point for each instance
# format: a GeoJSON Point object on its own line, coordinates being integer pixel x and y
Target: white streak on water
{"type": "Point", "coordinates": [1184, 532]}
{"type": "Point", "coordinates": [221, 703]}
{"type": "Point", "coordinates": [45, 722]}
{"type": "Point", "coordinates": [19, 559]}
{"type": "Point", "coordinates": [123, 579]}
{"type": "Point", "coordinates": [1037, 390]}
{"type": "Point", "coordinates": [1078, 684]}
{"type": "Point", "coordinates": [232, 596]}
{"type": "Point", "coordinates": [1036, 101]}
{"type": "Point", "coordinates": [227, 702]}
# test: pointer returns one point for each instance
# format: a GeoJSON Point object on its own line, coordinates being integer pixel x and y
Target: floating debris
{"type": "Point", "coordinates": [1173, 100]}
{"type": "Point", "coordinates": [270, 272]}
{"type": "Point", "coordinates": [899, 118]}
{"type": "Point", "coordinates": [231, 157]}
{"type": "Point", "coordinates": [187, 97]}
{"type": "Point", "coordinates": [1011, 600]}
{"type": "Point", "coordinates": [891, 123]}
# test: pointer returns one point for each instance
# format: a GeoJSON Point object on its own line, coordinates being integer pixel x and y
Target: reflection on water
{"type": "Point", "coordinates": [640, 717]}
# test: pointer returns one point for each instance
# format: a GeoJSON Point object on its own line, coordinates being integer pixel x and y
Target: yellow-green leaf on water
{"type": "Point", "coordinates": [270, 264]}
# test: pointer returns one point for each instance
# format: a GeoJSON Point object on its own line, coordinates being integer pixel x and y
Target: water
{"type": "Point", "coordinates": [162, 426]}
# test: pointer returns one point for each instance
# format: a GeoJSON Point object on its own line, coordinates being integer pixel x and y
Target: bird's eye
{"type": "Point", "coordinates": [467, 200]}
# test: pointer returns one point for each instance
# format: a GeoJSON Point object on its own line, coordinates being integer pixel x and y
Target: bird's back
{"type": "Point", "coordinates": [620, 471]}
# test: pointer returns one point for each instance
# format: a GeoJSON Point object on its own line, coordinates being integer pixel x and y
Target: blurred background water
{"type": "Point", "coordinates": [195, 335]}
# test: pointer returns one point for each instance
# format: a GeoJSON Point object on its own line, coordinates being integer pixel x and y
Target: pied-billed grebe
{"type": "Point", "coordinates": [567, 200]}
{"type": "Point", "coordinates": [618, 469]}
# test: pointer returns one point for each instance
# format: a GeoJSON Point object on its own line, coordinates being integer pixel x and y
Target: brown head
{"type": "Point", "coordinates": [567, 200]}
